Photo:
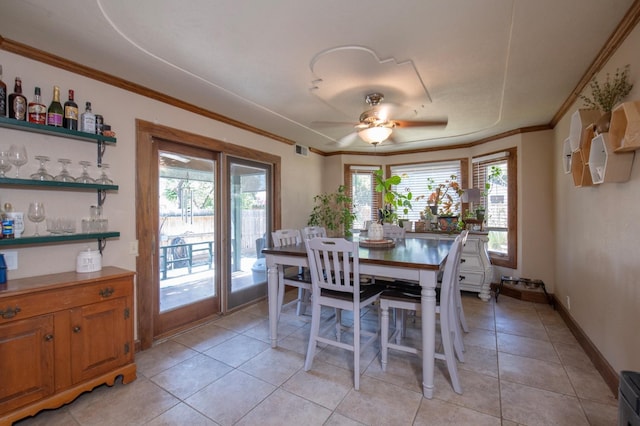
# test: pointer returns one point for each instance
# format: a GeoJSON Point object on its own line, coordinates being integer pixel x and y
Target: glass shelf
{"type": "Point", "coordinates": [50, 184]}
{"type": "Point", "coordinates": [43, 239]}
{"type": "Point", "coordinates": [10, 123]}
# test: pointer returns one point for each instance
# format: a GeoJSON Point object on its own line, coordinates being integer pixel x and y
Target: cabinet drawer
{"type": "Point", "coordinates": [471, 262]}
{"type": "Point", "coordinates": [53, 300]}
{"type": "Point", "coordinates": [471, 278]}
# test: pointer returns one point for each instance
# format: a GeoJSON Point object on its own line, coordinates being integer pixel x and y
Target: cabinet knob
{"type": "Point", "coordinates": [461, 278]}
{"type": "Point", "coordinates": [462, 260]}
{"type": "Point", "coordinates": [48, 337]}
{"type": "Point", "coordinates": [76, 329]}
{"type": "Point", "coordinates": [106, 292]}
{"type": "Point", "coordinates": [9, 312]}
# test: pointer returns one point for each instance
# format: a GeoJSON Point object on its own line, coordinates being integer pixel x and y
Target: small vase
{"type": "Point", "coordinates": [602, 125]}
{"type": "Point", "coordinates": [375, 232]}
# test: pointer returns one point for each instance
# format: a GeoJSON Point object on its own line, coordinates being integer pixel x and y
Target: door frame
{"type": "Point", "coordinates": [146, 224]}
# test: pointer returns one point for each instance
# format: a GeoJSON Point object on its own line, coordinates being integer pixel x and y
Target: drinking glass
{"type": "Point", "coordinates": [64, 175]}
{"type": "Point", "coordinates": [104, 179]}
{"type": "Point", "coordinates": [41, 173]}
{"type": "Point", "coordinates": [5, 163]}
{"type": "Point", "coordinates": [18, 157]}
{"type": "Point", "coordinates": [84, 177]}
{"type": "Point", "coordinates": [36, 214]}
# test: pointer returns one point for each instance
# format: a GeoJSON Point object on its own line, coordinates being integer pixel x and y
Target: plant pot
{"type": "Point", "coordinates": [480, 214]}
{"type": "Point", "coordinates": [448, 223]}
{"type": "Point", "coordinates": [602, 125]}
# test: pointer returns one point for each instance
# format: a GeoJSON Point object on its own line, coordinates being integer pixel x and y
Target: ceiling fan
{"type": "Point", "coordinates": [375, 126]}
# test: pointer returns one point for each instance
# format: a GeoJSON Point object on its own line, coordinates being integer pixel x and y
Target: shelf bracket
{"type": "Point", "coordinates": [101, 148]}
{"type": "Point", "coordinates": [102, 243]}
{"type": "Point", "coordinates": [102, 195]}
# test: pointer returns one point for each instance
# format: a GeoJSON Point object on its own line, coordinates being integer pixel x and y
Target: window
{"type": "Point", "coordinates": [500, 203]}
{"type": "Point", "coordinates": [415, 177]}
{"type": "Point", "coordinates": [361, 188]}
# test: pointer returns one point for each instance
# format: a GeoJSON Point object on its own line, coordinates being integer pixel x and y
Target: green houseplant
{"type": "Point", "coordinates": [441, 201]}
{"type": "Point", "coordinates": [605, 96]}
{"type": "Point", "coordinates": [333, 212]}
{"type": "Point", "coordinates": [393, 201]}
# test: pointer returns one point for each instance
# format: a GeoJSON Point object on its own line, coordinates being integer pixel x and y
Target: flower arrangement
{"type": "Point", "coordinates": [441, 196]}
{"type": "Point", "coordinates": [604, 97]}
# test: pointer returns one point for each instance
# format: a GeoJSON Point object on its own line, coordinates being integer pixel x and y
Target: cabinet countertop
{"type": "Point", "coordinates": [59, 280]}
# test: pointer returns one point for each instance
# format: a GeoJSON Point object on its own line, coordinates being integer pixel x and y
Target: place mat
{"type": "Point", "coordinates": [383, 243]}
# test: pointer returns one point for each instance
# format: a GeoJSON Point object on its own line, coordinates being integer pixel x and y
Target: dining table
{"type": "Point", "coordinates": [415, 259]}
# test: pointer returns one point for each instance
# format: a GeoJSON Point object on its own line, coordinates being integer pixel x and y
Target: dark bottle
{"type": "Point", "coordinates": [17, 102]}
{"type": "Point", "coordinates": [3, 96]}
{"type": "Point", "coordinates": [70, 120]}
{"type": "Point", "coordinates": [37, 110]}
{"type": "Point", "coordinates": [55, 112]}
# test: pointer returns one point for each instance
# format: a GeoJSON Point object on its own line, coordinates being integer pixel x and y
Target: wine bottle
{"type": "Point", "coordinates": [37, 110]}
{"type": "Point", "coordinates": [88, 120]}
{"type": "Point", "coordinates": [17, 102]}
{"type": "Point", "coordinates": [3, 96]}
{"type": "Point", "coordinates": [54, 113]}
{"type": "Point", "coordinates": [70, 120]}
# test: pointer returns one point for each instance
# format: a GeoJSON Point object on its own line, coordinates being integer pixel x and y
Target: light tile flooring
{"type": "Point", "coordinates": [523, 367]}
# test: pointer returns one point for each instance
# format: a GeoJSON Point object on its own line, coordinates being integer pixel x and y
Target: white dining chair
{"type": "Point", "coordinates": [335, 275]}
{"type": "Point", "coordinates": [309, 232]}
{"type": "Point", "coordinates": [285, 237]}
{"type": "Point", "coordinates": [411, 300]}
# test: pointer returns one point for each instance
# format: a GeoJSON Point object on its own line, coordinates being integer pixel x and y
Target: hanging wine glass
{"type": "Point", "coordinates": [64, 175]}
{"type": "Point", "coordinates": [104, 178]}
{"type": "Point", "coordinates": [18, 157]}
{"type": "Point", "coordinates": [5, 163]}
{"type": "Point", "coordinates": [84, 177]}
{"type": "Point", "coordinates": [36, 214]}
{"type": "Point", "coordinates": [41, 173]}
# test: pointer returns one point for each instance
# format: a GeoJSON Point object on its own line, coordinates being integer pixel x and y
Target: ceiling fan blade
{"type": "Point", "coordinates": [347, 140]}
{"type": "Point", "coordinates": [426, 123]}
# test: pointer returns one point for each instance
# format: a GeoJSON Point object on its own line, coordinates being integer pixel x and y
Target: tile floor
{"type": "Point", "coordinates": [523, 367]}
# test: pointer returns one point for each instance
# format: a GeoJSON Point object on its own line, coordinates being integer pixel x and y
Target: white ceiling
{"type": "Point", "coordinates": [284, 66]}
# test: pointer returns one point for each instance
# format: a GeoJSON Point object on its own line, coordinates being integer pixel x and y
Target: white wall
{"type": "Point", "coordinates": [300, 176]}
{"type": "Point", "coordinates": [597, 242]}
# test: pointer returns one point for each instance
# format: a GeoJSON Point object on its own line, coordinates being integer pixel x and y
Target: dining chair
{"type": "Point", "coordinates": [335, 275]}
{"type": "Point", "coordinates": [285, 237]}
{"type": "Point", "coordinates": [391, 230]}
{"type": "Point", "coordinates": [462, 319]}
{"type": "Point", "coordinates": [406, 299]}
{"type": "Point", "coordinates": [310, 232]}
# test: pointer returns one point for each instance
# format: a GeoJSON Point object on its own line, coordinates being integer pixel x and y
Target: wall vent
{"type": "Point", "coordinates": [302, 150]}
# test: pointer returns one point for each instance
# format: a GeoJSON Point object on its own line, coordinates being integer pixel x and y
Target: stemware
{"type": "Point", "coordinates": [41, 173]}
{"type": "Point", "coordinates": [104, 179]}
{"type": "Point", "coordinates": [36, 214]}
{"type": "Point", "coordinates": [64, 175]}
{"type": "Point", "coordinates": [84, 177]}
{"type": "Point", "coordinates": [5, 163]}
{"type": "Point", "coordinates": [18, 157]}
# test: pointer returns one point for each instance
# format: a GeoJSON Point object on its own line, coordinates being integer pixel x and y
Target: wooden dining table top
{"type": "Point", "coordinates": [423, 253]}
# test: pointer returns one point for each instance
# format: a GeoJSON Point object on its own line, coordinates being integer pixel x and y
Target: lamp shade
{"type": "Point", "coordinates": [471, 195]}
{"type": "Point", "coordinates": [375, 135]}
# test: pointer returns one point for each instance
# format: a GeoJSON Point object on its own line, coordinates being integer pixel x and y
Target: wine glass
{"type": "Point", "coordinates": [64, 175]}
{"type": "Point", "coordinates": [84, 177]}
{"type": "Point", "coordinates": [41, 173]}
{"type": "Point", "coordinates": [104, 179]}
{"type": "Point", "coordinates": [5, 163]}
{"type": "Point", "coordinates": [18, 157]}
{"type": "Point", "coordinates": [36, 214]}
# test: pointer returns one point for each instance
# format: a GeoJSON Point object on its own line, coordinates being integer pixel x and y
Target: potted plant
{"type": "Point", "coordinates": [442, 203]}
{"type": "Point", "coordinates": [604, 97]}
{"type": "Point", "coordinates": [333, 211]}
{"type": "Point", "coordinates": [393, 201]}
{"type": "Point", "coordinates": [495, 173]}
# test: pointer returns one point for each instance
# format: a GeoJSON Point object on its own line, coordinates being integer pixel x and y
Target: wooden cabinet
{"type": "Point", "coordinates": [61, 335]}
{"type": "Point", "coordinates": [476, 271]}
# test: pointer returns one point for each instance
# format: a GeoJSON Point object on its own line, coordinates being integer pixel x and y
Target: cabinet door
{"type": "Point", "coordinates": [100, 338]}
{"type": "Point", "coordinates": [26, 361]}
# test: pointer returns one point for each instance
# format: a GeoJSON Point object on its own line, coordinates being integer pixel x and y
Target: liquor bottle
{"type": "Point", "coordinates": [54, 113]}
{"type": "Point", "coordinates": [17, 102]}
{"type": "Point", "coordinates": [3, 96]}
{"type": "Point", "coordinates": [70, 120]}
{"type": "Point", "coordinates": [88, 120]}
{"type": "Point", "coordinates": [37, 110]}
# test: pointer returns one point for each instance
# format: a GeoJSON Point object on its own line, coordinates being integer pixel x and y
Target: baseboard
{"type": "Point", "coordinates": [610, 376]}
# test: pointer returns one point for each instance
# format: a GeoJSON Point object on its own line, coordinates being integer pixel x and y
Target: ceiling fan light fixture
{"type": "Point", "coordinates": [375, 135]}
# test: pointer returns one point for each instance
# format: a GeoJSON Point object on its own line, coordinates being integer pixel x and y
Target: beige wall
{"type": "Point", "coordinates": [597, 231]}
{"type": "Point", "coordinates": [120, 109]}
